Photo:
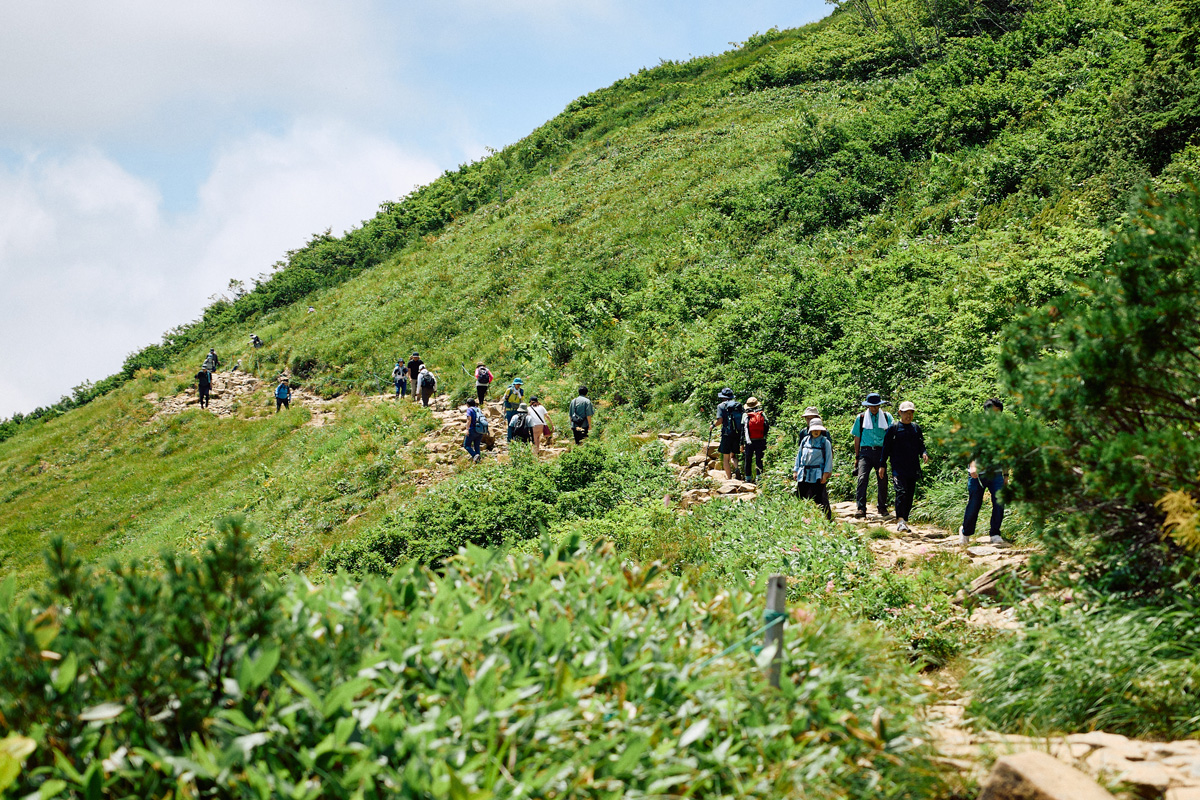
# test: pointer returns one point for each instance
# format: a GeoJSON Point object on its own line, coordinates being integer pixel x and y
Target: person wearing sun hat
{"type": "Point", "coordinates": [755, 428]}
{"type": "Point", "coordinates": [814, 463]}
{"type": "Point", "coordinates": [904, 447]}
{"type": "Point", "coordinates": [869, 429]}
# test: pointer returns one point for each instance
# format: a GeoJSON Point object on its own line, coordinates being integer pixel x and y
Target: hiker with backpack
{"type": "Point", "coordinates": [982, 477]}
{"type": "Point", "coordinates": [755, 439]}
{"type": "Point", "coordinates": [211, 362]}
{"type": "Point", "coordinates": [539, 422]}
{"type": "Point", "coordinates": [414, 371]}
{"type": "Point", "coordinates": [483, 379]}
{"type": "Point", "coordinates": [283, 395]}
{"type": "Point", "coordinates": [729, 417]}
{"type": "Point", "coordinates": [580, 410]}
{"type": "Point", "coordinates": [203, 386]}
{"type": "Point", "coordinates": [477, 427]}
{"type": "Point", "coordinates": [521, 426]}
{"type": "Point", "coordinates": [870, 426]}
{"type": "Point", "coordinates": [400, 380]}
{"type": "Point", "coordinates": [514, 396]}
{"type": "Point", "coordinates": [814, 464]}
{"type": "Point", "coordinates": [255, 341]}
{"type": "Point", "coordinates": [426, 383]}
{"type": "Point", "coordinates": [904, 447]}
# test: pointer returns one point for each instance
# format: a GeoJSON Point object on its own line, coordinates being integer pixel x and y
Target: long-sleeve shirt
{"type": "Point", "coordinates": [903, 445]}
{"type": "Point", "coordinates": [813, 459]}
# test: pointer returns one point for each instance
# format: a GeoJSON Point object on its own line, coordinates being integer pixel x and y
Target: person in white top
{"type": "Point", "coordinates": [539, 421]}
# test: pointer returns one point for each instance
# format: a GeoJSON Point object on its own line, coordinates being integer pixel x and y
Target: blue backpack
{"type": "Point", "coordinates": [480, 425]}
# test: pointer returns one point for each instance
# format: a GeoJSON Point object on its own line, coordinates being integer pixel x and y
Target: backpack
{"type": "Point", "coordinates": [576, 419]}
{"type": "Point", "coordinates": [397, 372]}
{"type": "Point", "coordinates": [512, 398]}
{"type": "Point", "coordinates": [483, 375]}
{"type": "Point", "coordinates": [480, 424]}
{"type": "Point", "coordinates": [731, 420]}
{"type": "Point", "coordinates": [427, 380]}
{"type": "Point", "coordinates": [282, 391]}
{"type": "Point", "coordinates": [756, 424]}
{"type": "Point", "coordinates": [519, 424]}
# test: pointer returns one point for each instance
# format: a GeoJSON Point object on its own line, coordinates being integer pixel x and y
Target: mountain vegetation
{"type": "Point", "coordinates": [941, 200]}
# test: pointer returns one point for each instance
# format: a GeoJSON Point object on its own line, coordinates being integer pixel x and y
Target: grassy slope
{"type": "Point", "coordinates": [669, 248]}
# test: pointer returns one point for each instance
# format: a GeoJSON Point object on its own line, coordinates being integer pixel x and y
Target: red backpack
{"type": "Point", "coordinates": [756, 424]}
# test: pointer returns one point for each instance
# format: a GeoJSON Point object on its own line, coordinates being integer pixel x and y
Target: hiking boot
{"type": "Point", "coordinates": [902, 526]}
{"type": "Point", "coordinates": [883, 512]}
{"type": "Point", "coordinates": [1000, 541]}
{"type": "Point", "coordinates": [963, 539]}
{"type": "Point", "coordinates": [860, 513]}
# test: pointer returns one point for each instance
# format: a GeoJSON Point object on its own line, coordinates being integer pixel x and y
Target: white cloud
{"type": "Point", "coordinates": [94, 270]}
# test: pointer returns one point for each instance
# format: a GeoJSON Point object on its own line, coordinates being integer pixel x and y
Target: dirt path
{"type": "Point", "coordinates": [234, 391]}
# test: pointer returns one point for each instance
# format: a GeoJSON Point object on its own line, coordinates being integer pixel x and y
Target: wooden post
{"type": "Point", "coordinates": [777, 603]}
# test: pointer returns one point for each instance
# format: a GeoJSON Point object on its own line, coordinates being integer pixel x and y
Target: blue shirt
{"type": "Point", "coordinates": [872, 437]}
{"type": "Point", "coordinates": [813, 459]}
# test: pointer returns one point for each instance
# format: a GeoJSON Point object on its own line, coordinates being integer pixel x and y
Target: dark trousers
{"type": "Point", "coordinates": [905, 485]}
{"type": "Point", "coordinates": [580, 434]}
{"type": "Point", "coordinates": [203, 397]}
{"type": "Point", "coordinates": [508, 415]}
{"type": "Point", "coordinates": [869, 461]}
{"type": "Point", "coordinates": [975, 490]}
{"type": "Point", "coordinates": [818, 493]}
{"type": "Point", "coordinates": [471, 444]}
{"type": "Point", "coordinates": [426, 393]}
{"type": "Point", "coordinates": [402, 387]}
{"type": "Point", "coordinates": [279, 401]}
{"type": "Point", "coordinates": [481, 393]}
{"type": "Point", "coordinates": [755, 449]}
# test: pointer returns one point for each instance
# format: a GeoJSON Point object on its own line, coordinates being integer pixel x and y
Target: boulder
{"type": "Point", "coordinates": [1037, 776]}
{"type": "Point", "coordinates": [698, 460]}
{"type": "Point", "coordinates": [717, 475]}
{"type": "Point", "coordinates": [985, 585]}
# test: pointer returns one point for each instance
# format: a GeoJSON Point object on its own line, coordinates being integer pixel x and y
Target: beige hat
{"type": "Point", "coordinates": [816, 424]}
{"type": "Point", "coordinates": [523, 407]}
{"type": "Point", "coordinates": [752, 402]}
{"type": "Point", "coordinates": [812, 411]}
{"type": "Point", "coordinates": [907, 406]}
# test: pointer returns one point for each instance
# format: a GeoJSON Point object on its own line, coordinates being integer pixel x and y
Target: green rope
{"type": "Point", "coordinates": [770, 616]}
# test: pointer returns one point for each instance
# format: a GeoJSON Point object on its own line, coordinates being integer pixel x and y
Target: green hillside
{"type": "Point", "coordinates": [940, 201]}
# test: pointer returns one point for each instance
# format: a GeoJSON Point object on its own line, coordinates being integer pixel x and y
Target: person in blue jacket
{"type": "Point", "coordinates": [283, 395]}
{"type": "Point", "coordinates": [814, 464]}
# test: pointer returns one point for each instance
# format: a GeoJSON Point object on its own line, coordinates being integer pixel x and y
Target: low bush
{"type": "Point", "coordinates": [569, 675]}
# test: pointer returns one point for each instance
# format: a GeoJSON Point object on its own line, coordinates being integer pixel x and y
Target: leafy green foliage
{"type": "Point", "coordinates": [566, 673]}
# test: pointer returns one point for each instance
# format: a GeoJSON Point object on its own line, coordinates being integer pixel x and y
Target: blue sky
{"type": "Point", "coordinates": [151, 151]}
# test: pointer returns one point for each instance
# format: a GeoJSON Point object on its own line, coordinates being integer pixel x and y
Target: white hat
{"type": "Point", "coordinates": [907, 405]}
{"type": "Point", "coordinates": [817, 425]}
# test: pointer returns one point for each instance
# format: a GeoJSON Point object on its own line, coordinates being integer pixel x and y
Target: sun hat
{"type": "Point", "coordinates": [812, 411]}
{"type": "Point", "coordinates": [523, 407]}
{"type": "Point", "coordinates": [815, 424]}
{"type": "Point", "coordinates": [907, 405]}
{"type": "Point", "coordinates": [725, 394]}
{"type": "Point", "coordinates": [752, 402]}
{"type": "Point", "coordinates": [873, 399]}
{"type": "Point", "coordinates": [518, 381]}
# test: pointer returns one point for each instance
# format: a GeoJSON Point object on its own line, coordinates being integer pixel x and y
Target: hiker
{"type": "Point", "coordinates": [904, 446]}
{"type": "Point", "coordinates": [255, 341]}
{"type": "Point", "coordinates": [870, 426]}
{"type": "Point", "coordinates": [729, 417]}
{"type": "Point", "coordinates": [539, 422]}
{"type": "Point", "coordinates": [427, 383]}
{"type": "Point", "coordinates": [204, 386]}
{"type": "Point", "coordinates": [521, 426]}
{"type": "Point", "coordinates": [984, 477]}
{"type": "Point", "coordinates": [514, 395]}
{"type": "Point", "coordinates": [400, 379]}
{"type": "Point", "coordinates": [581, 411]}
{"type": "Point", "coordinates": [755, 439]}
{"type": "Point", "coordinates": [814, 463]}
{"type": "Point", "coordinates": [283, 395]}
{"type": "Point", "coordinates": [414, 370]}
{"type": "Point", "coordinates": [483, 379]}
{"type": "Point", "coordinates": [237, 365]}
{"type": "Point", "coordinates": [477, 426]}
{"type": "Point", "coordinates": [211, 362]}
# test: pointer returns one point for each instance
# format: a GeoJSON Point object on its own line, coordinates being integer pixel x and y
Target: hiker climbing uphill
{"type": "Point", "coordinates": [870, 426]}
{"type": "Point", "coordinates": [400, 380]}
{"type": "Point", "coordinates": [483, 379]}
{"type": "Point", "coordinates": [539, 423]}
{"type": "Point", "coordinates": [255, 342]}
{"type": "Point", "coordinates": [426, 384]}
{"type": "Point", "coordinates": [580, 410]}
{"type": "Point", "coordinates": [514, 396]}
{"type": "Point", "coordinates": [203, 386]}
{"type": "Point", "coordinates": [477, 426]}
{"type": "Point", "coordinates": [755, 439]}
{"type": "Point", "coordinates": [983, 477]}
{"type": "Point", "coordinates": [283, 395]}
{"type": "Point", "coordinates": [729, 417]}
{"type": "Point", "coordinates": [521, 426]}
{"type": "Point", "coordinates": [904, 447]}
{"type": "Point", "coordinates": [414, 370]}
{"type": "Point", "coordinates": [814, 464]}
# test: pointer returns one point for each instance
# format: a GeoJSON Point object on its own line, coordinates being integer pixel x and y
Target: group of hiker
{"type": "Point", "coordinates": [204, 379]}
{"type": "Point", "coordinates": [880, 441]}
{"type": "Point", "coordinates": [424, 382]}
